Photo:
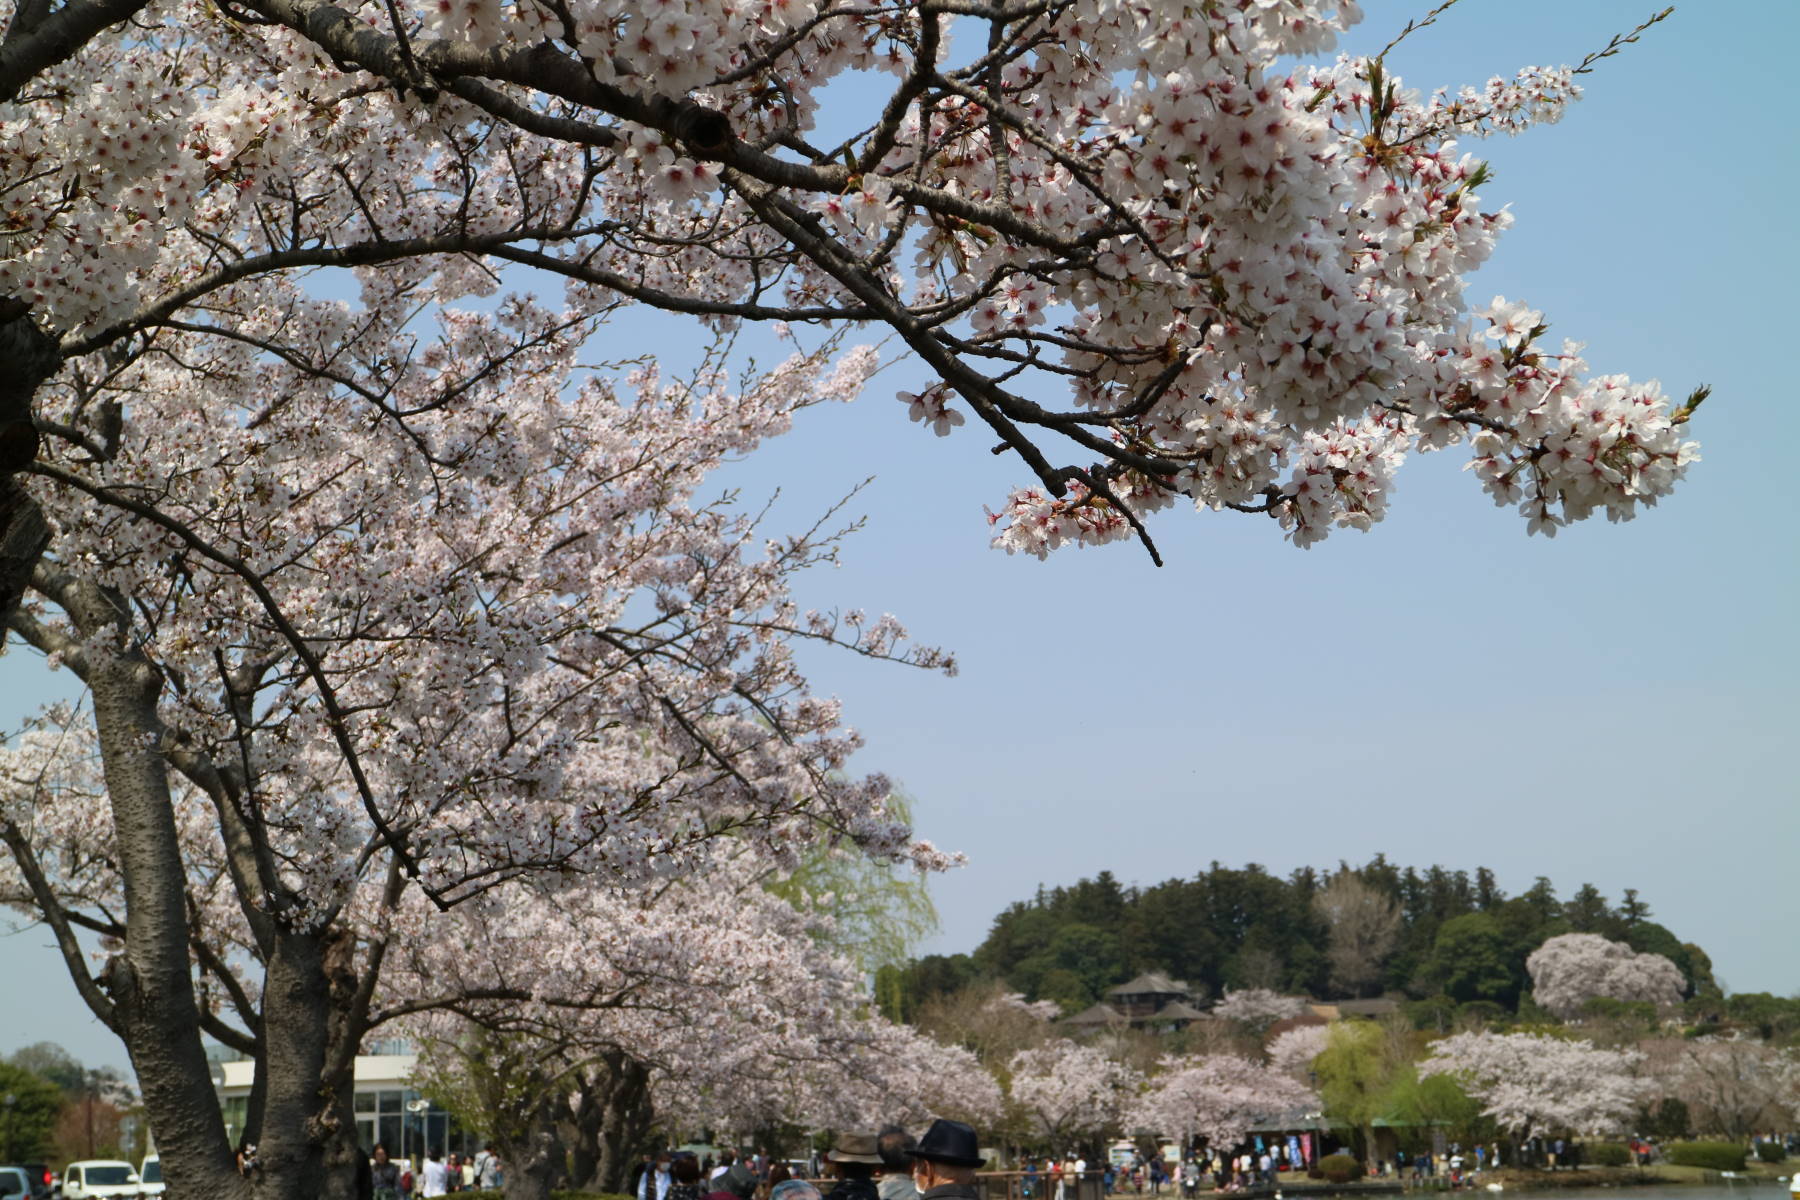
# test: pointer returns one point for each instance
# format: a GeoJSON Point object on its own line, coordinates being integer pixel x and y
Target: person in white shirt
{"type": "Point", "coordinates": [725, 1160]}
{"type": "Point", "coordinates": [655, 1184]}
{"type": "Point", "coordinates": [436, 1178]}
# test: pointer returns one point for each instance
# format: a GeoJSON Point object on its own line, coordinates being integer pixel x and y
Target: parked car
{"type": "Point", "coordinates": [14, 1184]}
{"type": "Point", "coordinates": [99, 1179]}
{"type": "Point", "coordinates": [40, 1178]}
{"type": "Point", "coordinates": [150, 1178]}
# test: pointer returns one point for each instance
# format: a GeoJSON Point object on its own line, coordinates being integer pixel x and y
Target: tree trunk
{"type": "Point", "coordinates": [28, 356]}
{"type": "Point", "coordinates": [309, 1146]}
{"type": "Point", "coordinates": [625, 1126]}
{"type": "Point", "coordinates": [301, 1123]}
{"type": "Point", "coordinates": [584, 1120]}
{"type": "Point", "coordinates": [150, 983]}
{"type": "Point", "coordinates": [533, 1167]}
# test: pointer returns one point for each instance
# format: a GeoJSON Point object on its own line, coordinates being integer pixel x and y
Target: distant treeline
{"type": "Point", "coordinates": [1458, 937]}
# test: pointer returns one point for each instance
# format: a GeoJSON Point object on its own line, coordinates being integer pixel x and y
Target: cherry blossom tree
{"type": "Point", "coordinates": [1569, 970]}
{"type": "Point", "coordinates": [1732, 1087]}
{"type": "Point", "coordinates": [1257, 1007]}
{"type": "Point", "coordinates": [1069, 1090]}
{"type": "Point", "coordinates": [1533, 1084]}
{"type": "Point", "coordinates": [387, 599]}
{"type": "Point", "coordinates": [495, 640]}
{"type": "Point", "coordinates": [708, 1003]}
{"type": "Point", "coordinates": [1216, 1096]}
{"type": "Point", "coordinates": [1293, 1050]}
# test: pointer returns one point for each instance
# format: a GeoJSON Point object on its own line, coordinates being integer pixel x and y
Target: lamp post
{"type": "Point", "coordinates": [9, 1102]}
{"type": "Point", "coordinates": [93, 1082]}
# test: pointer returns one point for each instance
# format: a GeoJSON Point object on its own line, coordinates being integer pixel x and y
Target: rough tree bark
{"type": "Point", "coordinates": [149, 983]}
{"type": "Point", "coordinates": [609, 1124]}
{"type": "Point", "coordinates": [28, 356]}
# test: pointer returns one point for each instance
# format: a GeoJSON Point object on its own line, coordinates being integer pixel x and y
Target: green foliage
{"type": "Point", "coordinates": [1077, 967]}
{"type": "Point", "coordinates": [1481, 1013]}
{"type": "Point", "coordinates": [1460, 936]}
{"type": "Point", "coordinates": [1606, 1154]}
{"type": "Point", "coordinates": [51, 1062]}
{"type": "Point", "coordinates": [1767, 1016]}
{"type": "Point", "coordinates": [1771, 1151]}
{"type": "Point", "coordinates": [1338, 1168]}
{"type": "Point", "coordinates": [1666, 1119]}
{"type": "Point", "coordinates": [1472, 960]}
{"type": "Point", "coordinates": [1436, 1102]}
{"type": "Point", "coordinates": [1714, 1156]}
{"type": "Point", "coordinates": [880, 912]}
{"type": "Point", "coordinates": [27, 1125]}
{"type": "Point", "coordinates": [1434, 1014]}
{"type": "Point", "coordinates": [1355, 1072]}
{"type": "Point", "coordinates": [901, 990]}
{"type": "Point", "coordinates": [1639, 1015]}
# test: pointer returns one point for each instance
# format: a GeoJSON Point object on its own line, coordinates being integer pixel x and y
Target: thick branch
{"type": "Point", "coordinates": [55, 38]}
{"type": "Point", "coordinates": [57, 919]}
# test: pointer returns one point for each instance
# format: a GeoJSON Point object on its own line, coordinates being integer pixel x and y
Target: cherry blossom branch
{"type": "Point", "coordinates": [339, 720]}
{"type": "Point", "coordinates": [58, 919]}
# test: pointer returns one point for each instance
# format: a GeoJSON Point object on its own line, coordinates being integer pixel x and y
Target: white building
{"type": "Point", "coordinates": [388, 1108]}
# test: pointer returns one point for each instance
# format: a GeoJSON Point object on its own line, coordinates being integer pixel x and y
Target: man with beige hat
{"type": "Point", "coordinates": [853, 1159]}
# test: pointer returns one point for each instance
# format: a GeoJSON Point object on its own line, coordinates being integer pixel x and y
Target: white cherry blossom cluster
{"type": "Point", "coordinates": [1068, 1089]}
{"type": "Point", "coordinates": [555, 655]}
{"type": "Point", "coordinates": [1532, 1083]}
{"type": "Point", "coordinates": [742, 1016]}
{"type": "Point", "coordinates": [1728, 1083]}
{"type": "Point", "coordinates": [1293, 1050]}
{"type": "Point", "coordinates": [1569, 970]}
{"type": "Point", "coordinates": [1257, 1007]}
{"type": "Point", "coordinates": [1246, 270]}
{"type": "Point", "coordinates": [1218, 1096]}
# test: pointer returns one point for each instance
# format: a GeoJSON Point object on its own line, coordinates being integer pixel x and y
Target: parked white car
{"type": "Point", "coordinates": [97, 1178]}
{"type": "Point", "coordinates": [150, 1180]}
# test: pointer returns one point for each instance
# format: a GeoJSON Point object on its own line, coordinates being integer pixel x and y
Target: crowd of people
{"type": "Point", "coordinates": [889, 1165]}
{"type": "Point", "coordinates": [435, 1175]}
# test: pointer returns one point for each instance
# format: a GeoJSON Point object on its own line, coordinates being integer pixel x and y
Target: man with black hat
{"type": "Point", "coordinates": [853, 1160]}
{"type": "Point", "coordinates": [944, 1162]}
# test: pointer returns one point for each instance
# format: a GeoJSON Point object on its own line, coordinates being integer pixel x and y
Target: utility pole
{"type": "Point", "coordinates": [93, 1085]}
{"type": "Point", "coordinates": [9, 1102]}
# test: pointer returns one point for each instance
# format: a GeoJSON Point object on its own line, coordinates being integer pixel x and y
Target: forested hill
{"type": "Point", "coordinates": [1349, 931]}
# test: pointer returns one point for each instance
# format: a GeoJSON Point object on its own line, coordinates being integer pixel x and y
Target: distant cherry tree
{"type": "Point", "coordinates": [1293, 1050]}
{"type": "Point", "coordinates": [1217, 1096]}
{"type": "Point", "coordinates": [1258, 1007]}
{"type": "Point", "coordinates": [1534, 1084]}
{"type": "Point", "coordinates": [1067, 1090]}
{"type": "Point", "coordinates": [1569, 970]}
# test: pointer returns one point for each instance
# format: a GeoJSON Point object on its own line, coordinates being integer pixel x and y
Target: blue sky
{"type": "Point", "coordinates": [1615, 706]}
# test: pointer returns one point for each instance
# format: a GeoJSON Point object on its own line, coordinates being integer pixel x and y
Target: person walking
{"type": "Point", "coordinates": [435, 1175]}
{"type": "Point", "coordinates": [487, 1168]}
